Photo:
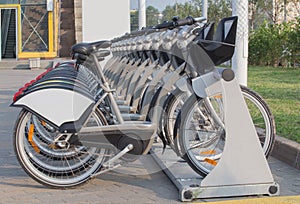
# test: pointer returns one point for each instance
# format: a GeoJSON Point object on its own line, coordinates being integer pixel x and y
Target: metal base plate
{"type": "Point", "coordinates": [188, 182]}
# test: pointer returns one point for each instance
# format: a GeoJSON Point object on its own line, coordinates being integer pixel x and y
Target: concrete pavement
{"type": "Point", "coordinates": [135, 183]}
{"type": "Point", "coordinates": [113, 187]}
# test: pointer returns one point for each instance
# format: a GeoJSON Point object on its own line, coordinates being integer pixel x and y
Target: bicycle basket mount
{"type": "Point", "coordinates": [221, 48]}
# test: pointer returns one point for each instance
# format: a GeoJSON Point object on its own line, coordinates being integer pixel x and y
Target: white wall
{"type": "Point", "coordinates": [104, 19]}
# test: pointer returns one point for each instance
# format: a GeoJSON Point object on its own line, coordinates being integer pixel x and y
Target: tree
{"type": "Point", "coordinates": [218, 9]}
{"type": "Point", "coordinates": [182, 10]}
{"type": "Point", "coordinates": [169, 12]}
{"type": "Point", "coordinates": [259, 12]}
{"type": "Point", "coordinates": [134, 20]}
{"type": "Point", "coordinates": [152, 16]}
{"type": "Point", "coordinates": [275, 44]}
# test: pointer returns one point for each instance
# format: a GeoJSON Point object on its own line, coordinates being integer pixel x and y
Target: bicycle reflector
{"type": "Point", "coordinates": [21, 91]}
{"type": "Point", "coordinates": [17, 95]}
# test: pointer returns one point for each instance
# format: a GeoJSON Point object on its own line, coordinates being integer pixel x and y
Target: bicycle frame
{"type": "Point", "coordinates": [72, 121]}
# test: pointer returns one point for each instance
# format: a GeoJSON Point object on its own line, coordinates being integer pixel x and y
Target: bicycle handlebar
{"type": "Point", "coordinates": [200, 19]}
{"type": "Point", "coordinates": [164, 25]}
{"type": "Point", "coordinates": [187, 21]}
{"type": "Point", "coordinates": [170, 25]}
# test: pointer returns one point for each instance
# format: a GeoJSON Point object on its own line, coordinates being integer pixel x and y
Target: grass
{"type": "Point", "coordinates": [280, 87]}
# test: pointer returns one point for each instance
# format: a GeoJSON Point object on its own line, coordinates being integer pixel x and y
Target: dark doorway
{"type": "Point", "coordinates": [8, 33]}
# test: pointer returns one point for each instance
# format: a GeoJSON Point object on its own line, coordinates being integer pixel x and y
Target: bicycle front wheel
{"type": "Point", "coordinates": [201, 132]}
{"type": "Point", "coordinates": [171, 109]}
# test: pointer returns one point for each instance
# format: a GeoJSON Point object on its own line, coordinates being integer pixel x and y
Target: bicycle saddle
{"type": "Point", "coordinates": [88, 48]}
{"type": "Point", "coordinates": [102, 53]}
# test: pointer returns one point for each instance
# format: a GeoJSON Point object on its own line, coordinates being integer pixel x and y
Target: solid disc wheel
{"type": "Point", "coordinates": [59, 166]}
{"type": "Point", "coordinates": [202, 135]}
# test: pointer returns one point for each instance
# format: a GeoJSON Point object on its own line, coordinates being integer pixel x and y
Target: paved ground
{"type": "Point", "coordinates": [135, 183]}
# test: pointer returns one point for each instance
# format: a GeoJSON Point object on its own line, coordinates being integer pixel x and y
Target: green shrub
{"type": "Point", "coordinates": [275, 44]}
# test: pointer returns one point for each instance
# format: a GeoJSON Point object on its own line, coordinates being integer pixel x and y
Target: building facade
{"type": "Point", "coordinates": [48, 28]}
{"type": "Point", "coordinates": [28, 28]}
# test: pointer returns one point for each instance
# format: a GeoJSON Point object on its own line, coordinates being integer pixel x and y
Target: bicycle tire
{"type": "Point", "coordinates": [50, 171]}
{"type": "Point", "coordinates": [170, 113]}
{"type": "Point", "coordinates": [202, 166]}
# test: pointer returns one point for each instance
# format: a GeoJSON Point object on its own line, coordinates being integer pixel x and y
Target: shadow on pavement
{"type": "Point", "coordinates": [20, 184]}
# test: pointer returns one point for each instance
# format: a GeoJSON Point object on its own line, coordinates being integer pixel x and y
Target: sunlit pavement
{"type": "Point", "coordinates": [272, 200]}
{"type": "Point", "coordinates": [135, 183]}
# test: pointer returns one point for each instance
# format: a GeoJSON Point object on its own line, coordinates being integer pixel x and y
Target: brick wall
{"type": "Point", "coordinates": [67, 27]}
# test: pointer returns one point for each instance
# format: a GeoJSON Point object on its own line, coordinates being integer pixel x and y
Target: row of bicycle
{"type": "Point", "coordinates": [80, 120]}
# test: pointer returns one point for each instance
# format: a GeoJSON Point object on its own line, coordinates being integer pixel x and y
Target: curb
{"type": "Point", "coordinates": [287, 151]}
{"type": "Point", "coordinates": [27, 64]}
{"type": "Point", "coordinates": [269, 200]}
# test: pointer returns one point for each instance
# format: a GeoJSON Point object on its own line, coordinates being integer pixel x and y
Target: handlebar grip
{"type": "Point", "coordinates": [165, 25]}
{"type": "Point", "coordinates": [188, 21]}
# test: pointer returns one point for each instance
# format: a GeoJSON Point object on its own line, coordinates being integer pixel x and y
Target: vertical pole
{"type": "Point", "coordinates": [240, 58]}
{"type": "Point", "coordinates": [204, 9]}
{"type": "Point", "coordinates": [0, 37]}
{"type": "Point", "coordinates": [20, 49]}
{"type": "Point", "coordinates": [16, 32]}
{"type": "Point", "coordinates": [50, 31]}
{"type": "Point", "coordinates": [142, 13]}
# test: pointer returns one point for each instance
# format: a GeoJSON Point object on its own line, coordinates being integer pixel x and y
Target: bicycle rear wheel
{"type": "Point", "coordinates": [52, 164]}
